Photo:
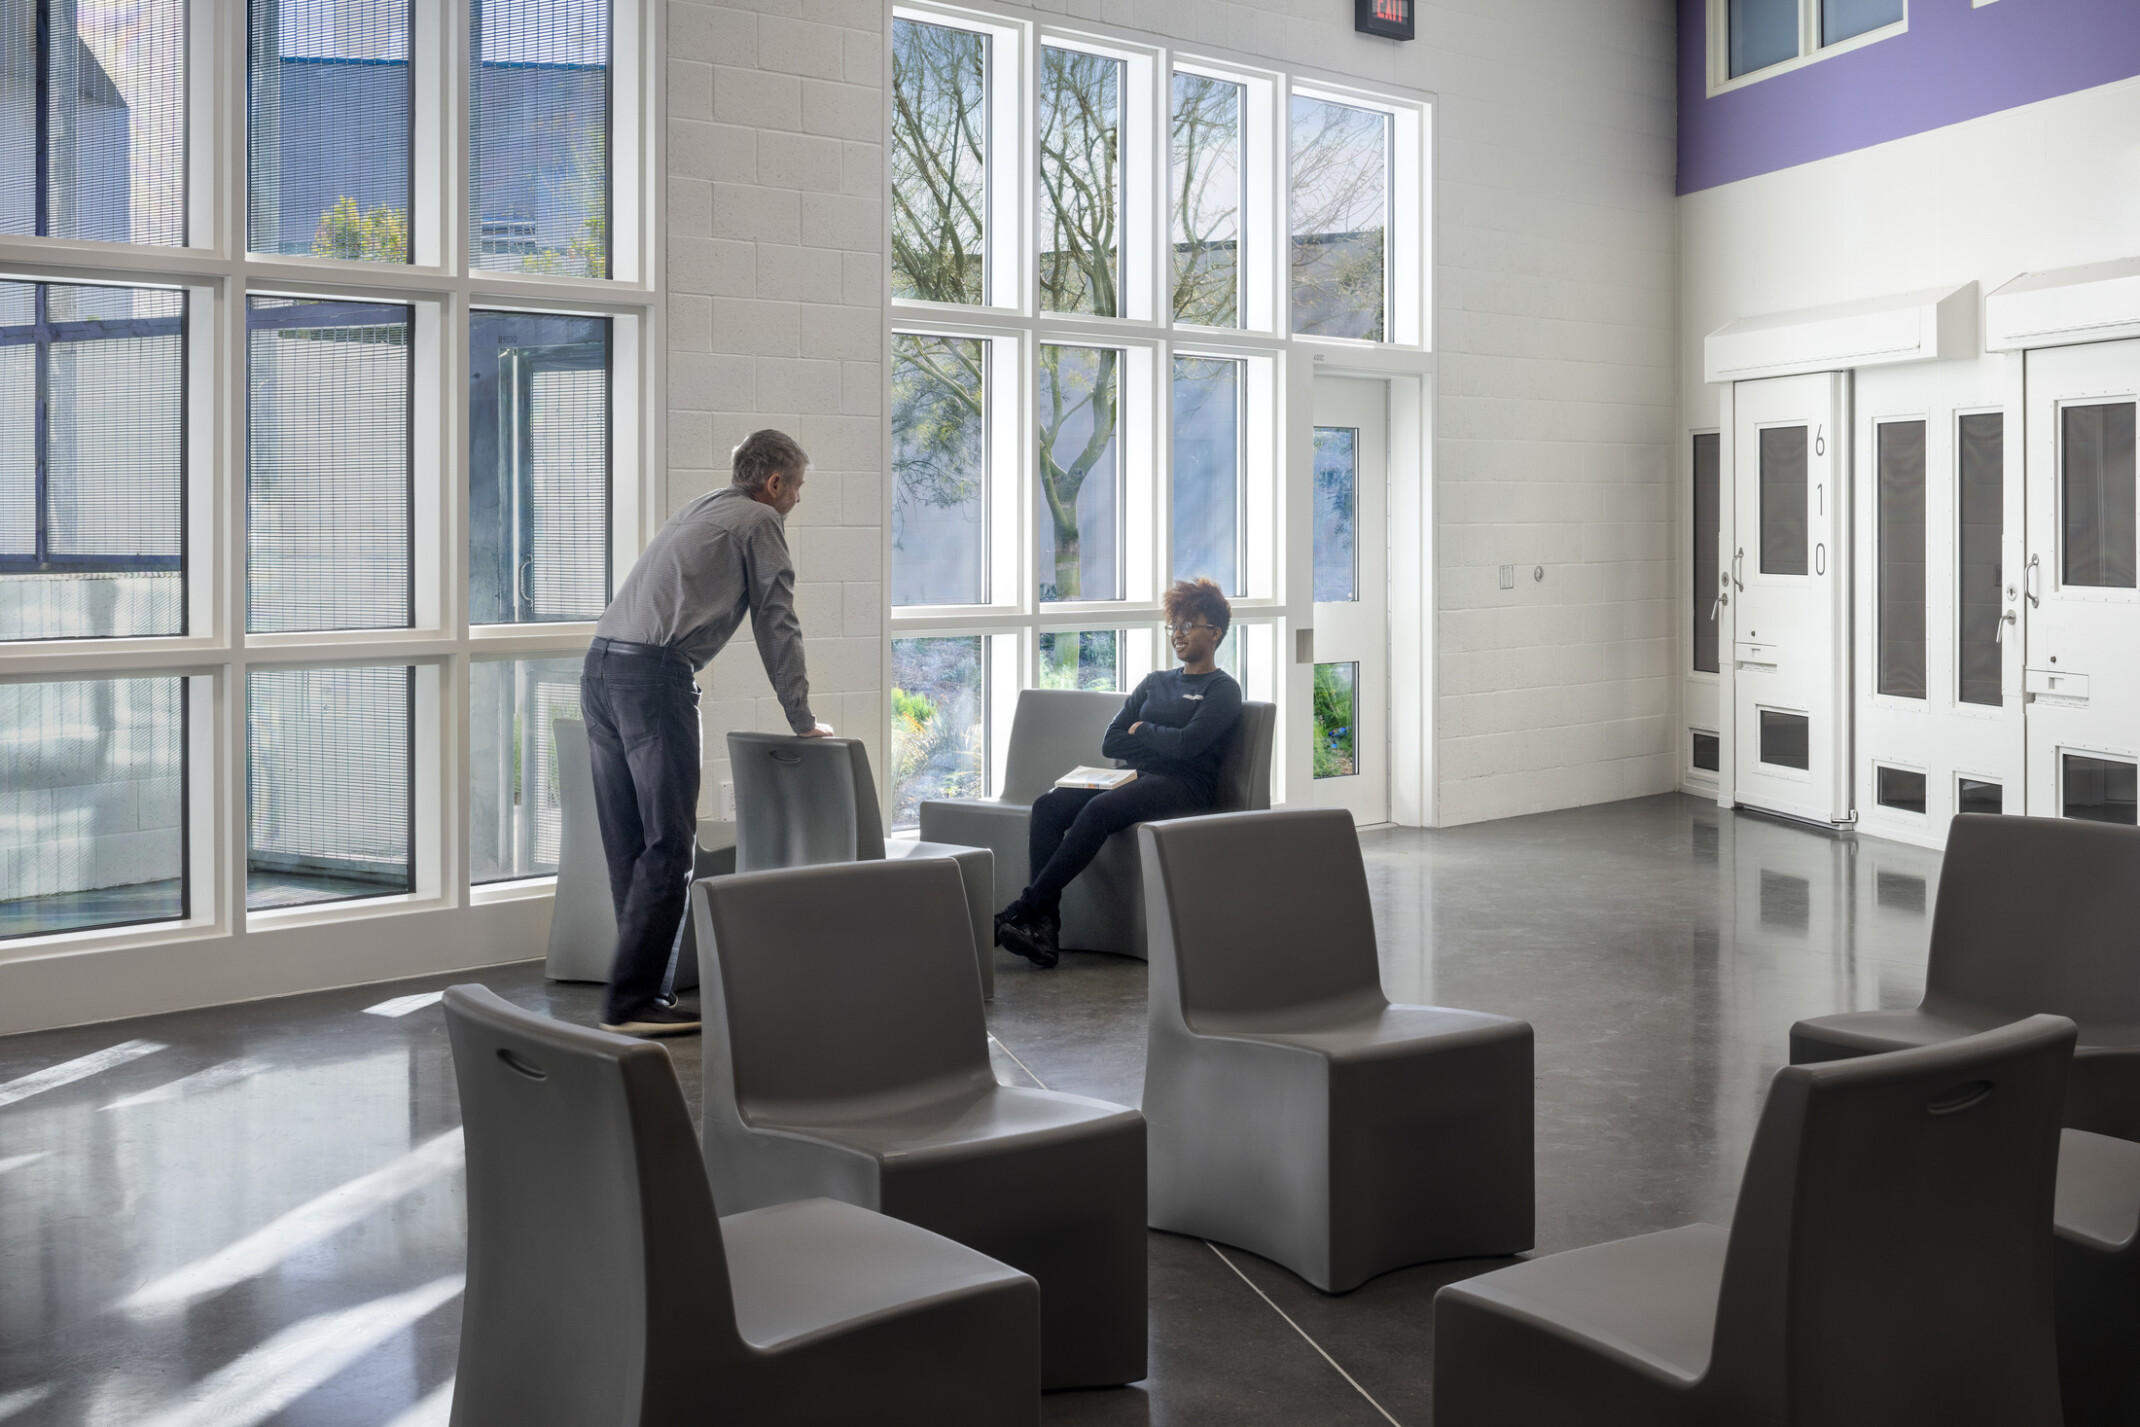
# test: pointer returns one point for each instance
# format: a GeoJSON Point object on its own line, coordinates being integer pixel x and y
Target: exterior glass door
{"type": "Point", "coordinates": [1349, 724]}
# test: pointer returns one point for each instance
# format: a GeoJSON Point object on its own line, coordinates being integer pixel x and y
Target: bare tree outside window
{"type": "Point", "coordinates": [1340, 195]}
{"type": "Point", "coordinates": [1206, 198]}
{"type": "Point", "coordinates": [939, 470]}
{"type": "Point", "coordinates": [1080, 182]}
{"type": "Point", "coordinates": [939, 178]}
{"type": "Point", "coordinates": [1080, 477]}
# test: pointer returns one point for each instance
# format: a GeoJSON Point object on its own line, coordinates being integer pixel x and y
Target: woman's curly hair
{"type": "Point", "coordinates": [1199, 597]}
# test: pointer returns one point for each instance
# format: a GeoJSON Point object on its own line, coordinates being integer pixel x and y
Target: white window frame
{"type": "Point", "coordinates": [1810, 49]}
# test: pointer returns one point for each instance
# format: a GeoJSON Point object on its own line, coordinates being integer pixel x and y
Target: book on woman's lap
{"type": "Point", "coordinates": [1099, 779]}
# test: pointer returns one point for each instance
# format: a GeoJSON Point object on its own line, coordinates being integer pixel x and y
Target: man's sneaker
{"type": "Point", "coordinates": [655, 1020]}
{"type": "Point", "coordinates": [1035, 943]}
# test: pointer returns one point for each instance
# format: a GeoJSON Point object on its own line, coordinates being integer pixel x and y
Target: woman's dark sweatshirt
{"type": "Point", "coordinates": [1188, 721]}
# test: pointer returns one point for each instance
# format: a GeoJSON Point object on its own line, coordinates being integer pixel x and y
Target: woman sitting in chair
{"type": "Point", "coordinates": [1173, 729]}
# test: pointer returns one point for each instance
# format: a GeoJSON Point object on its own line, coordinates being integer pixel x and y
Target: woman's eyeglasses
{"type": "Point", "coordinates": [1187, 628]}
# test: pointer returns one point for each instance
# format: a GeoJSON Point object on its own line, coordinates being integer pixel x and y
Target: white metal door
{"type": "Point", "coordinates": [1938, 554]}
{"type": "Point", "coordinates": [1788, 559]}
{"type": "Point", "coordinates": [1349, 717]}
{"type": "Point", "coordinates": [2083, 670]}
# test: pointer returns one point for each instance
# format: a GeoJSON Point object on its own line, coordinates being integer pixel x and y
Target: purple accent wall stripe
{"type": "Point", "coordinates": [1955, 62]}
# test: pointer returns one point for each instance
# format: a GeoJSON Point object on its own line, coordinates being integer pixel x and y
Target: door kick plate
{"type": "Point", "coordinates": [2056, 687]}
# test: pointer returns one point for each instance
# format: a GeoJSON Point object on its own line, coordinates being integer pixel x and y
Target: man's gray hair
{"type": "Point", "coordinates": [764, 455]}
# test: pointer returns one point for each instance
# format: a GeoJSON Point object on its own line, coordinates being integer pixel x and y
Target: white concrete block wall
{"type": "Point", "coordinates": [776, 318]}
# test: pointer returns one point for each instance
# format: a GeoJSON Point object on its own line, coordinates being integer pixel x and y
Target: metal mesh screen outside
{"type": "Point", "coordinates": [327, 783]}
{"type": "Point", "coordinates": [538, 136]}
{"type": "Point", "coordinates": [514, 816]}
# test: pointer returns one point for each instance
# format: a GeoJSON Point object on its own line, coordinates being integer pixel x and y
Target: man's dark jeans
{"type": "Point", "coordinates": [642, 730]}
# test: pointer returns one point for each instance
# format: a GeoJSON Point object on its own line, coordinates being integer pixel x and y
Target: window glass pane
{"type": "Point", "coordinates": [1841, 19]}
{"type": "Point", "coordinates": [2098, 789]}
{"type": "Point", "coordinates": [1783, 500]}
{"type": "Point", "coordinates": [513, 814]}
{"type": "Point", "coordinates": [1207, 184]}
{"type": "Point", "coordinates": [1902, 559]}
{"type": "Point", "coordinates": [1784, 739]}
{"type": "Point", "coordinates": [1762, 32]}
{"type": "Point", "coordinates": [538, 468]}
{"type": "Point", "coordinates": [1340, 229]}
{"type": "Point", "coordinates": [1706, 751]}
{"type": "Point", "coordinates": [2098, 494]}
{"type": "Point", "coordinates": [99, 550]}
{"type": "Point", "coordinates": [1975, 796]}
{"type": "Point", "coordinates": [939, 177]}
{"type": "Point", "coordinates": [938, 735]}
{"type": "Point", "coordinates": [939, 470]}
{"type": "Point", "coordinates": [1084, 659]}
{"type": "Point", "coordinates": [1707, 616]}
{"type": "Point", "coordinates": [1336, 452]}
{"type": "Point", "coordinates": [1901, 789]}
{"type": "Point", "coordinates": [327, 784]}
{"type": "Point", "coordinates": [1334, 685]}
{"type": "Point", "coordinates": [538, 136]}
{"type": "Point", "coordinates": [1080, 479]}
{"type": "Point", "coordinates": [114, 83]}
{"type": "Point", "coordinates": [92, 804]}
{"type": "Point", "coordinates": [1080, 182]}
{"type": "Point", "coordinates": [327, 489]}
{"type": "Point", "coordinates": [1208, 489]}
{"type": "Point", "coordinates": [1983, 532]}
{"type": "Point", "coordinates": [329, 124]}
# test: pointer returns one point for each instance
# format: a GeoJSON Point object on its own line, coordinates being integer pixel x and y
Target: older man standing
{"type": "Point", "coordinates": [721, 556]}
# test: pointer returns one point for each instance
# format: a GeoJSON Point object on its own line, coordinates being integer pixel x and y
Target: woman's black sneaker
{"type": "Point", "coordinates": [1034, 940]}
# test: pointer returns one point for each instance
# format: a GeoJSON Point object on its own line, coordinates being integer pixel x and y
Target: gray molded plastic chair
{"type": "Point", "coordinates": [602, 1288]}
{"type": "Point", "coordinates": [1888, 1264]}
{"type": "Point", "coordinates": [1053, 731]}
{"type": "Point", "coordinates": [1293, 1110]}
{"type": "Point", "coordinates": [583, 917]}
{"type": "Point", "coordinates": [2096, 1262]}
{"type": "Point", "coordinates": [2034, 915]}
{"type": "Point", "coordinates": [846, 1055]}
{"type": "Point", "coordinates": [805, 801]}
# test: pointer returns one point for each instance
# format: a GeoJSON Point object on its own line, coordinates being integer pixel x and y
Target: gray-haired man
{"type": "Point", "coordinates": [720, 557]}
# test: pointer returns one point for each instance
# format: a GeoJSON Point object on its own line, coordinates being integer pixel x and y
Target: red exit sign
{"type": "Point", "coordinates": [1390, 18]}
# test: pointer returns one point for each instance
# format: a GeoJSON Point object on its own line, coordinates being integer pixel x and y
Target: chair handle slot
{"type": "Point", "coordinates": [1955, 1099]}
{"type": "Point", "coordinates": [781, 755]}
{"type": "Point", "coordinates": [521, 1065]}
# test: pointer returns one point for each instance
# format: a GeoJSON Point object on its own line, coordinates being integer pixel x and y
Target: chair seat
{"type": "Point", "coordinates": [897, 848]}
{"type": "Point", "coordinates": [1649, 1302]}
{"type": "Point", "coordinates": [996, 1119]}
{"type": "Point", "coordinates": [1870, 1032]}
{"type": "Point", "coordinates": [1344, 1033]}
{"type": "Point", "coordinates": [2098, 1202]}
{"type": "Point", "coordinates": [793, 1267]}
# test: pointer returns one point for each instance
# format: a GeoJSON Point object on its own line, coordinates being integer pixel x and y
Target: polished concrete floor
{"type": "Point", "coordinates": [254, 1214]}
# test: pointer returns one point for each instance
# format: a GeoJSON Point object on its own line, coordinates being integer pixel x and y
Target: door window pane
{"type": "Point", "coordinates": [1208, 489]}
{"type": "Point", "coordinates": [1983, 533]}
{"type": "Point", "coordinates": [939, 738]}
{"type": "Point", "coordinates": [939, 470]}
{"type": "Point", "coordinates": [1208, 196]}
{"type": "Point", "coordinates": [538, 136]}
{"type": "Point", "coordinates": [1902, 789]}
{"type": "Point", "coordinates": [92, 498]}
{"type": "Point", "coordinates": [1340, 202]}
{"type": "Point", "coordinates": [92, 804]}
{"type": "Point", "coordinates": [1783, 500]}
{"type": "Point", "coordinates": [1080, 182]}
{"type": "Point", "coordinates": [2098, 492]}
{"type": "Point", "coordinates": [1785, 739]}
{"type": "Point", "coordinates": [1336, 569]}
{"type": "Point", "coordinates": [1902, 559]}
{"type": "Point", "coordinates": [1080, 478]}
{"type": "Point", "coordinates": [1707, 617]}
{"type": "Point", "coordinates": [1841, 19]}
{"type": "Point", "coordinates": [538, 468]}
{"type": "Point", "coordinates": [939, 177]}
{"type": "Point", "coordinates": [327, 486]}
{"type": "Point", "coordinates": [1707, 753]}
{"type": "Point", "coordinates": [1081, 659]}
{"type": "Point", "coordinates": [1334, 719]}
{"type": "Point", "coordinates": [2098, 789]}
{"type": "Point", "coordinates": [329, 128]}
{"type": "Point", "coordinates": [1973, 795]}
{"type": "Point", "coordinates": [327, 785]}
{"type": "Point", "coordinates": [110, 87]}
{"type": "Point", "coordinates": [1762, 33]}
{"type": "Point", "coordinates": [513, 816]}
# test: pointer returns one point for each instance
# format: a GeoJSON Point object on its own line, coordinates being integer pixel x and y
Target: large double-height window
{"type": "Point", "coordinates": [301, 533]}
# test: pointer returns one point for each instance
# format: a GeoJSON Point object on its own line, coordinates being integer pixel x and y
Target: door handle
{"type": "Point", "coordinates": [1738, 561]}
{"type": "Point", "coordinates": [1998, 631]}
{"type": "Point", "coordinates": [2031, 578]}
{"type": "Point", "coordinates": [520, 580]}
{"type": "Point", "coordinates": [1721, 601]}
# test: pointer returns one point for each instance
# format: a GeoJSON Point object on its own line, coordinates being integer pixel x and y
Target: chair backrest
{"type": "Point", "coordinates": [839, 982]}
{"type": "Point", "coordinates": [2039, 914]}
{"type": "Point", "coordinates": [1244, 781]}
{"type": "Point", "coordinates": [1250, 913]}
{"type": "Point", "coordinates": [1053, 731]}
{"type": "Point", "coordinates": [597, 1286]}
{"type": "Point", "coordinates": [1890, 1260]}
{"type": "Point", "coordinates": [802, 801]}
